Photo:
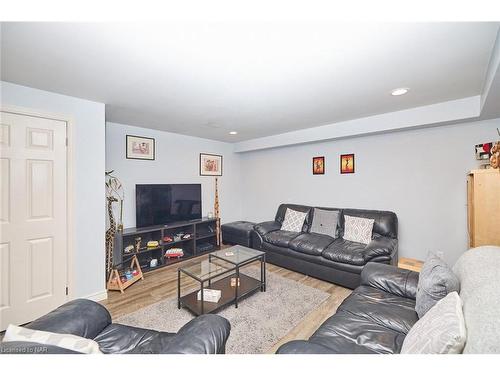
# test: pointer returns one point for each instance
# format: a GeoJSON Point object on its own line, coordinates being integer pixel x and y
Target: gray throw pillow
{"type": "Point", "coordinates": [325, 222]}
{"type": "Point", "coordinates": [435, 282]}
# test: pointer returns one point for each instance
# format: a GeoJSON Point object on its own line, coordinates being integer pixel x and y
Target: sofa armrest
{"type": "Point", "coordinates": [390, 279]}
{"type": "Point", "coordinates": [80, 317]}
{"type": "Point", "coordinates": [266, 227]}
{"type": "Point", "coordinates": [206, 334]}
{"type": "Point", "coordinates": [380, 247]}
{"type": "Point", "coordinates": [303, 347]}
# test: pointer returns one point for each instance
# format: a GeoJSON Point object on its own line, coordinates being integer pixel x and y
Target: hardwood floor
{"type": "Point", "coordinates": [162, 284]}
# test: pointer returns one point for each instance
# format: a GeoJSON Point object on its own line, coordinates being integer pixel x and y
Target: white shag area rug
{"type": "Point", "coordinates": [258, 323]}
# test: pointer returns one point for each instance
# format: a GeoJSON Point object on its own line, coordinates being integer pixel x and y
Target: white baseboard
{"type": "Point", "coordinates": [99, 296]}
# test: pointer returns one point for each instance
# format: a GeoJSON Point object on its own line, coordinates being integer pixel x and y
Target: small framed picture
{"type": "Point", "coordinates": [483, 151]}
{"type": "Point", "coordinates": [319, 165]}
{"type": "Point", "coordinates": [210, 165]}
{"type": "Point", "coordinates": [141, 148]}
{"type": "Point", "coordinates": [347, 163]}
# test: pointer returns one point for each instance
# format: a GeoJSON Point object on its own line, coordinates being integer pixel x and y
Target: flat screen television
{"type": "Point", "coordinates": [162, 204]}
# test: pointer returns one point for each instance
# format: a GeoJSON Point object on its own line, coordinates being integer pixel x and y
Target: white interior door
{"type": "Point", "coordinates": [33, 217]}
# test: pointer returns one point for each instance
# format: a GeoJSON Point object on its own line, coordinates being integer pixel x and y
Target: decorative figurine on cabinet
{"type": "Point", "coordinates": [138, 241]}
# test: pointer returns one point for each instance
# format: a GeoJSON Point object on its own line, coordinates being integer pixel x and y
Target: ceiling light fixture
{"type": "Point", "coordinates": [233, 133]}
{"type": "Point", "coordinates": [399, 91]}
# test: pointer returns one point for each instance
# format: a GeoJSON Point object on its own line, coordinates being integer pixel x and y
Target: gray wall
{"type": "Point", "coordinates": [419, 174]}
{"type": "Point", "coordinates": [88, 119]}
{"type": "Point", "coordinates": [177, 162]}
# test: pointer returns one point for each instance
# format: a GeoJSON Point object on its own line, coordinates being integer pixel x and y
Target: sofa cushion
{"type": "Point", "coordinates": [294, 220]}
{"type": "Point", "coordinates": [337, 345]}
{"type": "Point", "coordinates": [347, 333]}
{"type": "Point", "coordinates": [440, 331]}
{"type": "Point", "coordinates": [371, 318]}
{"type": "Point", "coordinates": [120, 339]}
{"type": "Point", "coordinates": [303, 262]}
{"type": "Point", "coordinates": [280, 237]}
{"type": "Point", "coordinates": [325, 222]}
{"type": "Point", "coordinates": [344, 251]}
{"type": "Point", "coordinates": [435, 282]}
{"type": "Point", "coordinates": [380, 307]}
{"type": "Point", "coordinates": [310, 243]}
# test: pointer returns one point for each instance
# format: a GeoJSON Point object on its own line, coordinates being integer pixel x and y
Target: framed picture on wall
{"type": "Point", "coordinates": [347, 163]}
{"type": "Point", "coordinates": [483, 151]}
{"type": "Point", "coordinates": [210, 165]}
{"type": "Point", "coordinates": [319, 165]}
{"type": "Point", "coordinates": [141, 148]}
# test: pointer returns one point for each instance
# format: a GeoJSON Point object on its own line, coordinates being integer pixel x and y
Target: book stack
{"type": "Point", "coordinates": [210, 295]}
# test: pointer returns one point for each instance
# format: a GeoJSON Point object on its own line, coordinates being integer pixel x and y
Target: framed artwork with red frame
{"type": "Point", "coordinates": [347, 163]}
{"type": "Point", "coordinates": [319, 165]}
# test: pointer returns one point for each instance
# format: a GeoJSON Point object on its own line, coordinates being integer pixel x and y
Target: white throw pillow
{"type": "Point", "coordinates": [66, 341]}
{"type": "Point", "coordinates": [440, 331]}
{"type": "Point", "coordinates": [358, 229]}
{"type": "Point", "coordinates": [294, 220]}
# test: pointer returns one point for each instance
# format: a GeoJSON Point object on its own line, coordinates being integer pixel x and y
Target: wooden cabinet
{"type": "Point", "coordinates": [483, 201]}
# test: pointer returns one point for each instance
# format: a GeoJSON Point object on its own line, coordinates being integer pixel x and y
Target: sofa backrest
{"type": "Point", "coordinates": [479, 273]}
{"type": "Point", "coordinates": [386, 222]}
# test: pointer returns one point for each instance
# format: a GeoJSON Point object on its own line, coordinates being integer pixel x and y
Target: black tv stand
{"type": "Point", "coordinates": [203, 240]}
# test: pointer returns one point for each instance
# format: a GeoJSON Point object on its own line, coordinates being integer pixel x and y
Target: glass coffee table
{"type": "Point", "coordinates": [220, 272]}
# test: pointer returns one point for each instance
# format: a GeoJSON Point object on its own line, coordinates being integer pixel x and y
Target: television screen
{"type": "Point", "coordinates": [163, 204]}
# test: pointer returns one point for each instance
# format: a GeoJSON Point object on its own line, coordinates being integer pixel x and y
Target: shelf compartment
{"type": "Point", "coordinates": [176, 242]}
{"type": "Point", "coordinates": [205, 235]}
{"type": "Point", "coordinates": [247, 286]}
{"type": "Point", "coordinates": [201, 231]}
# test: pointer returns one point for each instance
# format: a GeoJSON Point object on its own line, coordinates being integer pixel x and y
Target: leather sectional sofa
{"type": "Point", "coordinates": [335, 260]}
{"type": "Point", "coordinates": [206, 334]}
{"type": "Point", "coordinates": [378, 314]}
{"type": "Point", "coordinates": [375, 318]}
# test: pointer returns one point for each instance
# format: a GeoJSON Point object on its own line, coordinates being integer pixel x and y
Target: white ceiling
{"type": "Point", "coordinates": [257, 79]}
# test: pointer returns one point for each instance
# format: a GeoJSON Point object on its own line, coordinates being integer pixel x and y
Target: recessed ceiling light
{"type": "Point", "coordinates": [399, 91]}
{"type": "Point", "coordinates": [233, 133]}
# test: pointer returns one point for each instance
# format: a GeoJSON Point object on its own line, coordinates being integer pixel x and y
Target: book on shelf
{"type": "Point", "coordinates": [209, 295]}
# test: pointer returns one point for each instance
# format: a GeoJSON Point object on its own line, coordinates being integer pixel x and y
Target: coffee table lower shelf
{"type": "Point", "coordinates": [247, 285]}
